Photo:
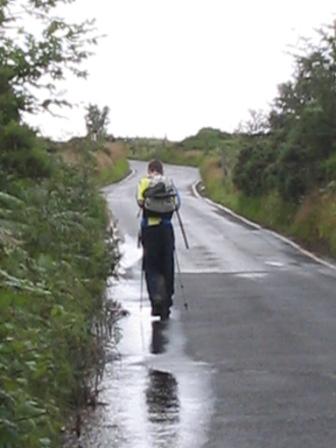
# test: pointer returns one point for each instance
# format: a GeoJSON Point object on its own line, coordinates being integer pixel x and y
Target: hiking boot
{"type": "Point", "coordinates": [165, 313]}
{"type": "Point", "coordinates": [156, 306]}
{"type": "Point", "coordinates": [156, 310]}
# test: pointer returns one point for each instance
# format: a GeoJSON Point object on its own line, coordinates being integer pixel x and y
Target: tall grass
{"type": "Point", "coordinates": [315, 222]}
{"type": "Point", "coordinates": [113, 173]}
{"type": "Point", "coordinates": [218, 186]}
{"type": "Point", "coordinates": [269, 210]}
{"type": "Point", "coordinates": [178, 157]}
{"type": "Point", "coordinates": [312, 223]}
{"type": "Point", "coordinates": [169, 155]}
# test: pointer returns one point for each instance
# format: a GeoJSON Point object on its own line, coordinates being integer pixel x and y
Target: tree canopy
{"type": "Point", "coordinates": [96, 121]}
{"type": "Point", "coordinates": [299, 153]}
{"type": "Point", "coordinates": [38, 49]}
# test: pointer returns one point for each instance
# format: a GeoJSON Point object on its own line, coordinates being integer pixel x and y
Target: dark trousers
{"type": "Point", "coordinates": [159, 245]}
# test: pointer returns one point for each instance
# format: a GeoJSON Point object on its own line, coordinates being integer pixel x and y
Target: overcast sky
{"type": "Point", "coordinates": [171, 67]}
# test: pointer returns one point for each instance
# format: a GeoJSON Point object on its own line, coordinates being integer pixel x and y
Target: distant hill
{"type": "Point", "coordinates": [206, 139]}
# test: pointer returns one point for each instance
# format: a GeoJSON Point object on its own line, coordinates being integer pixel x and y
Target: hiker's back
{"type": "Point", "coordinates": [160, 197]}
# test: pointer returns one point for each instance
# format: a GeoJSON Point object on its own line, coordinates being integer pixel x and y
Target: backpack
{"type": "Point", "coordinates": [161, 196]}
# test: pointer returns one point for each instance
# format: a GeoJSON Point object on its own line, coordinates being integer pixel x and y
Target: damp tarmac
{"type": "Point", "coordinates": [249, 364]}
{"type": "Point", "coordinates": [152, 393]}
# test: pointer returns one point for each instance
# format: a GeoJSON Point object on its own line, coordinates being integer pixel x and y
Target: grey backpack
{"type": "Point", "coordinates": [161, 196]}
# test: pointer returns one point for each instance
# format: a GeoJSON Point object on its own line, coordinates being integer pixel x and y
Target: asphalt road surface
{"type": "Point", "coordinates": [258, 333]}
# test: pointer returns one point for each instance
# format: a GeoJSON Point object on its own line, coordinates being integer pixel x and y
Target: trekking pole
{"type": "Point", "coordinates": [185, 302]}
{"type": "Point", "coordinates": [142, 271]}
{"type": "Point", "coordinates": [182, 229]}
{"type": "Point", "coordinates": [141, 284]}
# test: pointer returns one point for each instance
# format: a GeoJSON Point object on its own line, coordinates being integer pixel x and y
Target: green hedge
{"type": "Point", "coordinates": [54, 261]}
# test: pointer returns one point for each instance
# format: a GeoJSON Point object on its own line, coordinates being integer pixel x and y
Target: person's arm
{"type": "Point", "coordinates": [142, 187]}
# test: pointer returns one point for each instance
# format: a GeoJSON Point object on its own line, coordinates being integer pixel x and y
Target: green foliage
{"type": "Point", "coordinates": [168, 152]}
{"type": "Point", "coordinates": [271, 210]}
{"type": "Point", "coordinates": [254, 169]}
{"type": "Point", "coordinates": [37, 56]}
{"type": "Point", "coordinates": [302, 132]}
{"type": "Point", "coordinates": [285, 176]}
{"type": "Point", "coordinates": [257, 124]}
{"type": "Point", "coordinates": [329, 168]}
{"type": "Point", "coordinates": [147, 148]}
{"type": "Point", "coordinates": [308, 110]}
{"type": "Point", "coordinates": [55, 253]}
{"type": "Point", "coordinates": [206, 139]}
{"type": "Point", "coordinates": [268, 209]}
{"type": "Point", "coordinates": [52, 283]}
{"type": "Point", "coordinates": [315, 222]}
{"type": "Point", "coordinates": [217, 185]}
{"type": "Point", "coordinates": [33, 58]}
{"type": "Point", "coordinates": [22, 153]}
{"type": "Point", "coordinates": [96, 121]}
{"type": "Point", "coordinates": [114, 173]}
{"type": "Point", "coordinates": [190, 151]}
{"type": "Point", "coordinates": [10, 104]}
{"type": "Point", "coordinates": [178, 157]}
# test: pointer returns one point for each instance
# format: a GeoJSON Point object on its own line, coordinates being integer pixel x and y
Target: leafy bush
{"type": "Point", "coordinates": [53, 267]}
{"type": "Point", "coordinates": [254, 170]}
{"type": "Point", "coordinates": [206, 140]}
{"type": "Point", "coordinates": [329, 168]}
{"type": "Point", "coordinates": [55, 253]}
{"type": "Point", "coordinates": [22, 153]}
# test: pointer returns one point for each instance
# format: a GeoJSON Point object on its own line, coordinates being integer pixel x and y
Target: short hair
{"type": "Point", "coordinates": [155, 165]}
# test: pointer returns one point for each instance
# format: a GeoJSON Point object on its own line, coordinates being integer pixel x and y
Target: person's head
{"type": "Point", "coordinates": [155, 167]}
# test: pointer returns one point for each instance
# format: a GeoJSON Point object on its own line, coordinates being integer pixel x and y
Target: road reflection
{"type": "Point", "coordinates": [162, 399]}
{"type": "Point", "coordinates": [154, 394]}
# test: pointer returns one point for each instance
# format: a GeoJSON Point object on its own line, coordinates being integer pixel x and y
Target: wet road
{"type": "Point", "coordinates": [250, 364]}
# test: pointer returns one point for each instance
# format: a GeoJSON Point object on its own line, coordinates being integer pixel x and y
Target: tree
{"type": "Point", "coordinates": [96, 121]}
{"type": "Point", "coordinates": [303, 119]}
{"type": "Point", "coordinates": [38, 48]}
{"type": "Point", "coordinates": [257, 123]}
{"type": "Point", "coordinates": [31, 62]}
{"type": "Point", "coordinates": [297, 155]}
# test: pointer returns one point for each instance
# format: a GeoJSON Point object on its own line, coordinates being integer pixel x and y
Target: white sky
{"type": "Point", "coordinates": [171, 67]}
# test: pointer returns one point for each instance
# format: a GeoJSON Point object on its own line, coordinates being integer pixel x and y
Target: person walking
{"type": "Point", "coordinates": [158, 199]}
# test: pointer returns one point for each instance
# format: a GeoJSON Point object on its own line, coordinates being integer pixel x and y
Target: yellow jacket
{"type": "Point", "coordinates": [142, 187]}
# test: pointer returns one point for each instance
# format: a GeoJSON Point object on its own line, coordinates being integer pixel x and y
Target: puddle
{"type": "Point", "coordinates": [153, 395]}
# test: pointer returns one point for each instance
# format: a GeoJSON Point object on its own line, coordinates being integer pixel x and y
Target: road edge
{"type": "Point", "coordinates": [259, 227]}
